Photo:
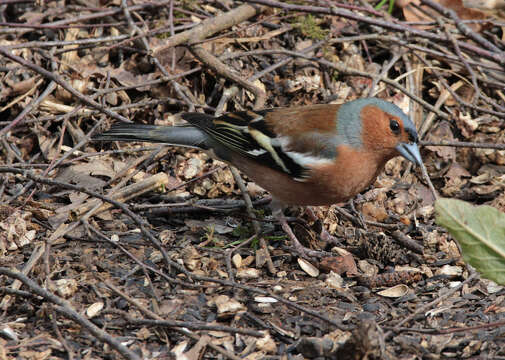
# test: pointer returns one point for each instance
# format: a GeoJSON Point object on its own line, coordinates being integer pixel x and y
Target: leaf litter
{"type": "Point", "coordinates": [206, 274]}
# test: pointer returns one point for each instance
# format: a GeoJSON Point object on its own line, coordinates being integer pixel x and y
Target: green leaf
{"type": "Point", "coordinates": [383, 2]}
{"type": "Point", "coordinates": [480, 230]}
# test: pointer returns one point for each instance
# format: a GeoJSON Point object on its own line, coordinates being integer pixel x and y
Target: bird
{"type": "Point", "coordinates": [311, 155]}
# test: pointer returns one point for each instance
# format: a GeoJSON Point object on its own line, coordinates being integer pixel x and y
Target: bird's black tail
{"type": "Point", "coordinates": [188, 136]}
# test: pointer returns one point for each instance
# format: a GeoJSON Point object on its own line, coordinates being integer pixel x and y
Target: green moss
{"type": "Point", "coordinates": [242, 232]}
{"type": "Point", "coordinates": [309, 27]}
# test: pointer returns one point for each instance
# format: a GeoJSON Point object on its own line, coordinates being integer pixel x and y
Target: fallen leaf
{"type": "Point", "coordinates": [480, 231]}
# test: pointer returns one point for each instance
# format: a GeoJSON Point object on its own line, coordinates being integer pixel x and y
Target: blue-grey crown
{"type": "Point", "coordinates": [349, 124]}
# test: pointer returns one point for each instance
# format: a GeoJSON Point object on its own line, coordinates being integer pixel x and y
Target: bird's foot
{"type": "Point", "coordinates": [328, 238]}
{"type": "Point", "coordinates": [297, 246]}
{"type": "Point", "coordinates": [359, 216]}
{"type": "Point", "coordinates": [324, 234]}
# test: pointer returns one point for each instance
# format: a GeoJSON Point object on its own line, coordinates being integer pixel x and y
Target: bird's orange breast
{"type": "Point", "coordinates": [352, 172]}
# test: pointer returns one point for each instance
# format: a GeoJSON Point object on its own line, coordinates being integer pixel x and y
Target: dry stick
{"type": "Point", "coordinates": [42, 44]}
{"type": "Point", "coordinates": [59, 27]}
{"type": "Point", "coordinates": [149, 33]}
{"type": "Point", "coordinates": [458, 98]}
{"type": "Point", "coordinates": [478, 93]}
{"type": "Point", "coordinates": [438, 54]}
{"type": "Point", "coordinates": [356, 220]}
{"type": "Point", "coordinates": [214, 63]}
{"type": "Point", "coordinates": [465, 29]}
{"type": "Point", "coordinates": [106, 13]}
{"type": "Point", "coordinates": [155, 316]}
{"type": "Point", "coordinates": [9, 291]}
{"type": "Point", "coordinates": [426, 177]}
{"type": "Point", "coordinates": [425, 307]}
{"type": "Point", "coordinates": [33, 104]}
{"type": "Point", "coordinates": [62, 83]}
{"type": "Point", "coordinates": [445, 94]}
{"type": "Point", "coordinates": [414, 84]}
{"type": "Point", "coordinates": [229, 254]}
{"type": "Point", "coordinates": [463, 144]}
{"type": "Point", "coordinates": [256, 225]}
{"type": "Point", "coordinates": [407, 242]}
{"type": "Point", "coordinates": [145, 45]}
{"type": "Point", "coordinates": [226, 39]}
{"type": "Point", "coordinates": [20, 98]}
{"type": "Point", "coordinates": [285, 61]}
{"type": "Point", "coordinates": [10, 152]}
{"type": "Point", "coordinates": [216, 205]}
{"type": "Point", "coordinates": [195, 326]}
{"type": "Point", "coordinates": [172, 30]}
{"type": "Point", "coordinates": [138, 220]}
{"type": "Point", "coordinates": [452, 330]}
{"type": "Point", "coordinates": [230, 18]}
{"type": "Point", "coordinates": [62, 306]}
{"type": "Point", "coordinates": [148, 83]}
{"type": "Point", "coordinates": [408, 30]}
{"type": "Point", "coordinates": [228, 93]}
{"type": "Point", "coordinates": [123, 194]}
{"type": "Point", "coordinates": [463, 60]}
{"type": "Point", "coordinates": [59, 335]}
{"type": "Point", "coordinates": [142, 265]}
{"type": "Point", "coordinates": [385, 69]}
{"type": "Point", "coordinates": [37, 253]}
{"type": "Point", "coordinates": [209, 27]}
{"type": "Point", "coordinates": [16, 1]}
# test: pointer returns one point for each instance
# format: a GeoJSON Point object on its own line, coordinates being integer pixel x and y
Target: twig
{"type": "Point", "coordinates": [209, 27]}
{"type": "Point", "coordinates": [256, 225]}
{"type": "Point", "coordinates": [465, 29]}
{"type": "Point", "coordinates": [63, 307]}
{"type": "Point", "coordinates": [496, 57]}
{"type": "Point", "coordinates": [155, 316]}
{"type": "Point", "coordinates": [194, 326]}
{"type": "Point", "coordinates": [214, 63]}
{"type": "Point", "coordinates": [138, 220]}
{"type": "Point", "coordinates": [463, 144]}
{"type": "Point", "coordinates": [33, 104]}
{"type": "Point", "coordinates": [424, 308]}
{"type": "Point", "coordinates": [62, 83]}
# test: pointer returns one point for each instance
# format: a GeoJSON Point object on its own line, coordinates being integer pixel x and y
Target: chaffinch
{"type": "Point", "coordinates": [310, 155]}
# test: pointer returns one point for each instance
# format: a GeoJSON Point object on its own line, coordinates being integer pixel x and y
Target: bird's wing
{"type": "Point", "coordinates": [285, 139]}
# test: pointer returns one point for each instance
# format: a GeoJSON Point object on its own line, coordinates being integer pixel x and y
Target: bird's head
{"type": "Point", "coordinates": [382, 127]}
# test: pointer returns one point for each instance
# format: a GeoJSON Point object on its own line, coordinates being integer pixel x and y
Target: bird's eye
{"type": "Point", "coordinates": [394, 126]}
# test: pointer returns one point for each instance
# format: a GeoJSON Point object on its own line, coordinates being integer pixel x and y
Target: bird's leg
{"type": "Point", "coordinates": [324, 235]}
{"type": "Point", "coordinates": [359, 216]}
{"type": "Point", "coordinates": [278, 213]}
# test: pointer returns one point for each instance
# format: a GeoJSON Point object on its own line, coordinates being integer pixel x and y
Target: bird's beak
{"type": "Point", "coordinates": [410, 152]}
